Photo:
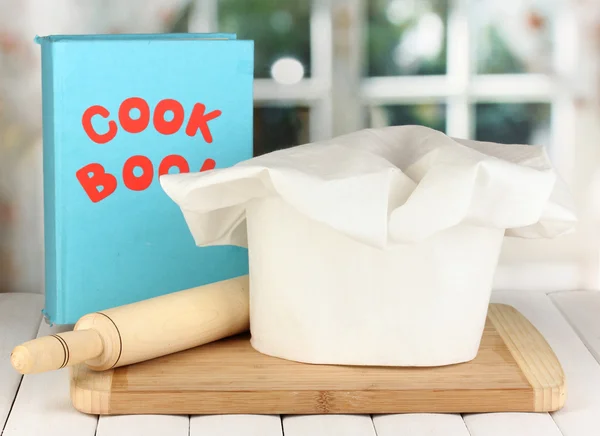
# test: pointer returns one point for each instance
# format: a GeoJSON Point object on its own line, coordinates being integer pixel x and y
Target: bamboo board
{"type": "Point", "coordinates": [515, 371]}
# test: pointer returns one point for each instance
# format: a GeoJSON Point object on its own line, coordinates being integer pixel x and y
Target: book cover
{"type": "Point", "coordinates": [118, 112]}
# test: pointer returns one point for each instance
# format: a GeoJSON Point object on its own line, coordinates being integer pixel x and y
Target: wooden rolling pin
{"type": "Point", "coordinates": [143, 330]}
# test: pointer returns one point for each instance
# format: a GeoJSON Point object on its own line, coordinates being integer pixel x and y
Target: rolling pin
{"type": "Point", "coordinates": [143, 330]}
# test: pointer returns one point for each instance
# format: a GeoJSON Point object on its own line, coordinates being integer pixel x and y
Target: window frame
{"type": "Point", "coordinates": [336, 107]}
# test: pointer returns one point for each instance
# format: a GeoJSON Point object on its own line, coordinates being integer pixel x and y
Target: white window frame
{"type": "Point", "coordinates": [330, 100]}
{"type": "Point", "coordinates": [338, 95]}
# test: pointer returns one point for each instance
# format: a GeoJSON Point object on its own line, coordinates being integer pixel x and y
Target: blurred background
{"type": "Point", "coordinates": [511, 71]}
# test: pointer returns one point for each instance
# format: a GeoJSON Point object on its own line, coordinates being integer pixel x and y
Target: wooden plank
{"type": "Point", "coordinates": [582, 310]}
{"type": "Point", "coordinates": [43, 406]}
{"type": "Point", "coordinates": [230, 377]}
{"type": "Point", "coordinates": [513, 424]}
{"type": "Point", "coordinates": [235, 425]}
{"type": "Point", "coordinates": [580, 415]}
{"type": "Point", "coordinates": [20, 316]}
{"type": "Point", "coordinates": [328, 425]}
{"type": "Point", "coordinates": [430, 424]}
{"type": "Point", "coordinates": [143, 425]}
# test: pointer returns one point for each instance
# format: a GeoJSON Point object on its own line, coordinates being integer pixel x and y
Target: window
{"type": "Point", "coordinates": [477, 69]}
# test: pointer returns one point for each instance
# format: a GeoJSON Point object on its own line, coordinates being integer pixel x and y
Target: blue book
{"type": "Point", "coordinates": [119, 111]}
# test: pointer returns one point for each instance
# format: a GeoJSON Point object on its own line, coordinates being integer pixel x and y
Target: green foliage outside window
{"type": "Point", "coordinates": [278, 28]}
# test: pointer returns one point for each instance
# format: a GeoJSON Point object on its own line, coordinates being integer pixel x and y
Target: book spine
{"type": "Point", "coordinates": [51, 258]}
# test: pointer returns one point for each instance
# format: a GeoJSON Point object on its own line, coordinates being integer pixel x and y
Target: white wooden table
{"type": "Point", "coordinates": [570, 321]}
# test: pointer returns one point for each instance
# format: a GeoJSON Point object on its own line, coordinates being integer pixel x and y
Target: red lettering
{"type": "Point", "coordinates": [130, 125]}
{"type": "Point", "coordinates": [86, 121]}
{"type": "Point", "coordinates": [131, 180]}
{"type": "Point", "coordinates": [208, 164]}
{"type": "Point", "coordinates": [98, 178]}
{"type": "Point", "coordinates": [93, 176]}
{"type": "Point", "coordinates": [168, 127]}
{"type": "Point", "coordinates": [199, 120]}
{"type": "Point", "coordinates": [171, 161]}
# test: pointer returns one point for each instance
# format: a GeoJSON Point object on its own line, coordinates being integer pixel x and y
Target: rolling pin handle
{"type": "Point", "coordinates": [56, 351]}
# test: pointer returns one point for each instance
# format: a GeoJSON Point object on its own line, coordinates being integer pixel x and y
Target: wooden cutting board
{"type": "Point", "coordinates": [515, 370]}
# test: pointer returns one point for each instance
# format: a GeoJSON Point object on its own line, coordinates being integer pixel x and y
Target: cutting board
{"type": "Point", "coordinates": [514, 370]}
